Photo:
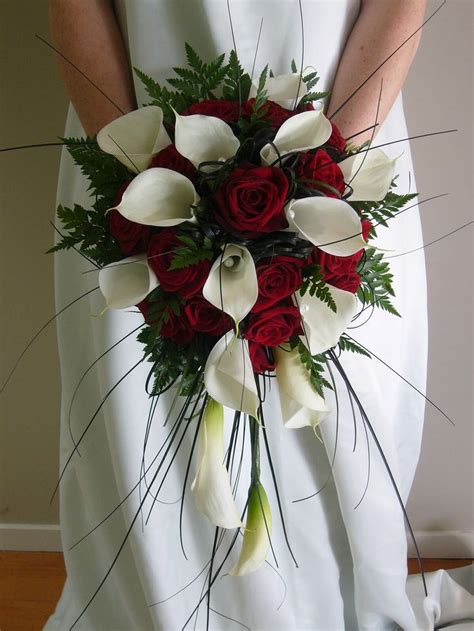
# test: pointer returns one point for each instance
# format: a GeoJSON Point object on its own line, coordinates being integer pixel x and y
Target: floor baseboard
{"type": "Point", "coordinates": [30, 537]}
{"type": "Point", "coordinates": [439, 544]}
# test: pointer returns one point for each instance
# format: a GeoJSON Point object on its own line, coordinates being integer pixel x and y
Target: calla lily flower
{"type": "Point", "coordinates": [228, 375]}
{"type": "Point", "coordinates": [286, 90]}
{"type": "Point", "coordinates": [159, 197]}
{"type": "Point", "coordinates": [258, 531]}
{"type": "Point", "coordinates": [322, 326]}
{"type": "Point", "coordinates": [135, 137]}
{"type": "Point", "coordinates": [204, 138]}
{"type": "Point", "coordinates": [301, 132]}
{"type": "Point", "coordinates": [211, 486]}
{"type": "Point", "coordinates": [369, 173]}
{"type": "Point", "coordinates": [330, 224]}
{"type": "Point", "coordinates": [232, 283]}
{"type": "Point", "coordinates": [127, 282]}
{"type": "Point", "coordinates": [300, 404]}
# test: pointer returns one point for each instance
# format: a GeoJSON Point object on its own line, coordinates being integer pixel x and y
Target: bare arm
{"type": "Point", "coordinates": [380, 28]}
{"type": "Point", "coordinates": [87, 33]}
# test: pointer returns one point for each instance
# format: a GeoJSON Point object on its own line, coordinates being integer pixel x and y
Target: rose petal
{"type": "Point", "coordinates": [369, 174]}
{"type": "Point", "coordinates": [323, 327]}
{"type": "Point", "coordinates": [304, 131]}
{"type": "Point", "coordinates": [135, 137]}
{"type": "Point", "coordinates": [159, 197]}
{"type": "Point", "coordinates": [283, 90]}
{"type": "Point", "coordinates": [127, 282]}
{"type": "Point", "coordinates": [258, 531]}
{"type": "Point", "coordinates": [232, 284]}
{"type": "Point", "coordinates": [301, 405]}
{"type": "Point", "coordinates": [211, 486]}
{"type": "Point", "coordinates": [229, 377]}
{"type": "Point", "coordinates": [204, 138]}
{"type": "Point", "coordinates": [330, 224]}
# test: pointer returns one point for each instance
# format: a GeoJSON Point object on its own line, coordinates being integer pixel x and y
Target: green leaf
{"type": "Point", "coordinates": [315, 365]}
{"type": "Point", "coordinates": [376, 281]}
{"type": "Point", "coordinates": [347, 344]}
{"type": "Point", "coordinates": [313, 282]}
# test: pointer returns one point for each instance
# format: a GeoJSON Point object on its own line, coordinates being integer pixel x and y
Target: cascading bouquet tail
{"type": "Point", "coordinates": [239, 221]}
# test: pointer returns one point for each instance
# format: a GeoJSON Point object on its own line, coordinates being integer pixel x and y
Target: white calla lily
{"type": "Point", "coordinates": [127, 282]}
{"type": "Point", "coordinates": [301, 132]}
{"type": "Point", "coordinates": [204, 139]}
{"type": "Point", "coordinates": [228, 375]}
{"type": "Point", "coordinates": [135, 137]}
{"type": "Point", "coordinates": [369, 173]}
{"type": "Point", "coordinates": [300, 404]}
{"type": "Point", "coordinates": [330, 224]}
{"type": "Point", "coordinates": [232, 284]}
{"type": "Point", "coordinates": [211, 486]}
{"type": "Point", "coordinates": [322, 326]}
{"type": "Point", "coordinates": [286, 90]}
{"type": "Point", "coordinates": [159, 197]}
{"type": "Point", "coordinates": [258, 531]}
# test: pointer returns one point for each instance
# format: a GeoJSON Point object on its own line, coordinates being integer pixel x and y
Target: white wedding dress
{"type": "Point", "coordinates": [352, 561]}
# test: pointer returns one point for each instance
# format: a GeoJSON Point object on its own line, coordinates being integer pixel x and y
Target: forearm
{"type": "Point", "coordinates": [380, 28]}
{"type": "Point", "coordinates": [86, 32]}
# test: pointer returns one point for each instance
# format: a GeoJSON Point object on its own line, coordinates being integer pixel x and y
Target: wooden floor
{"type": "Point", "coordinates": [31, 583]}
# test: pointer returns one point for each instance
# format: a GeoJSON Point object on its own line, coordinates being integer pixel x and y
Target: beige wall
{"type": "Point", "coordinates": [438, 96]}
{"type": "Point", "coordinates": [32, 111]}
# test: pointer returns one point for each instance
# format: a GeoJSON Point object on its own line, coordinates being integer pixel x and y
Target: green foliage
{"type": "Point", "coordinates": [313, 282]}
{"type": "Point", "coordinates": [261, 96]}
{"type": "Point", "coordinates": [191, 252]}
{"type": "Point", "coordinates": [87, 231]}
{"type": "Point", "coordinates": [200, 80]}
{"type": "Point", "coordinates": [347, 344]}
{"type": "Point", "coordinates": [163, 97]}
{"type": "Point", "coordinates": [380, 212]}
{"type": "Point", "coordinates": [104, 172]}
{"type": "Point", "coordinates": [314, 364]}
{"type": "Point", "coordinates": [172, 362]}
{"type": "Point", "coordinates": [237, 82]}
{"type": "Point", "coordinates": [376, 281]}
{"type": "Point", "coordinates": [311, 79]}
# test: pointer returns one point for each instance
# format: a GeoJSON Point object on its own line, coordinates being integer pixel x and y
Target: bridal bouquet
{"type": "Point", "coordinates": [239, 221]}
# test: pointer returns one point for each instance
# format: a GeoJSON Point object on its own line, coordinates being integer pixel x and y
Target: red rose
{"type": "Point", "coordinates": [132, 238]}
{"type": "Point", "coordinates": [227, 111]}
{"type": "Point", "coordinates": [144, 307]}
{"type": "Point", "coordinates": [272, 112]}
{"type": "Point", "coordinates": [336, 140]}
{"type": "Point", "coordinates": [250, 201]}
{"type": "Point", "coordinates": [259, 356]}
{"type": "Point", "coordinates": [339, 271]}
{"type": "Point", "coordinates": [177, 328]}
{"type": "Point", "coordinates": [169, 158]}
{"type": "Point", "coordinates": [319, 166]}
{"type": "Point", "coordinates": [275, 325]}
{"type": "Point", "coordinates": [366, 228]}
{"type": "Point", "coordinates": [204, 317]}
{"type": "Point", "coordinates": [278, 278]}
{"type": "Point", "coordinates": [187, 281]}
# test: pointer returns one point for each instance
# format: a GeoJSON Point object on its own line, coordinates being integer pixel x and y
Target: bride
{"type": "Point", "coordinates": [351, 570]}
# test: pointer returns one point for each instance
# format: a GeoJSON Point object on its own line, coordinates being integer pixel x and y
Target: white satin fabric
{"type": "Point", "coordinates": [352, 560]}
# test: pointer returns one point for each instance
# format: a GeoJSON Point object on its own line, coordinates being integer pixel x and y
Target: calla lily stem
{"type": "Point", "coordinates": [255, 447]}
